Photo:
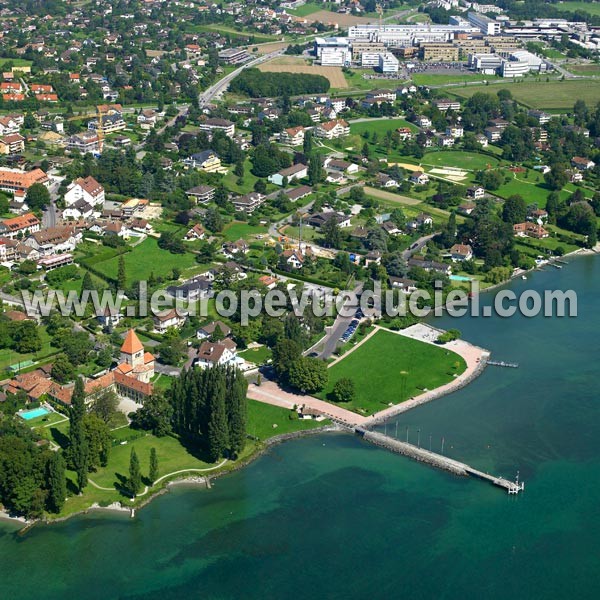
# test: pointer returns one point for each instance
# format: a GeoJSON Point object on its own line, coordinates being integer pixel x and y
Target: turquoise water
{"type": "Point", "coordinates": [460, 278]}
{"type": "Point", "coordinates": [34, 413]}
{"type": "Point", "coordinates": [331, 517]}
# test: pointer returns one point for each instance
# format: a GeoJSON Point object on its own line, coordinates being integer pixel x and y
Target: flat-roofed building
{"type": "Point", "coordinates": [445, 52]}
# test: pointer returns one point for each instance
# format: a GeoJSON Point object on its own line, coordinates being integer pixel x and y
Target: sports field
{"type": "Point", "coordinates": [590, 7]}
{"type": "Point", "coordinates": [540, 94]}
{"type": "Point", "coordinates": [291, 64]}
{"type": "Point", "coordinates": [380, 126]}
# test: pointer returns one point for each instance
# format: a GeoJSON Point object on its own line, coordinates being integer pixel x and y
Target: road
{"type": "Point", "coordinates": [50, 215]}
{"type": "Point", "coordinates": [417, 246]}
{"type": "Point", "coordinates": [218, 88]}
{"type": "Point", "coordinates": [20, 304]}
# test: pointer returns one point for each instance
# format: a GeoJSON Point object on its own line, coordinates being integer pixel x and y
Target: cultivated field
{"type": "Point", "coordinates": [290, 64]}
{"type": "Point", "coordinates": [391, 196]}
{"type": "Point", "coordinates": [326, 16]}
{"type": "Point", "coordinates": [267, 48]}
{"type": "Point", "coordinates": [543, 95]}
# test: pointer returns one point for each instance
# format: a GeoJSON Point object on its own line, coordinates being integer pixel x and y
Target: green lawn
{"type": "Point", "coordinates": [147, 258]}
{"type": "Point", "coordinates": [391, 369]}
{"type": "Point", "coordinates": [590, 7]}
{"type": "Point", "coordinates": [591, 69]}
{"type": "Point", "coordinates": [473, 161]}
{"type": "Point", "coordinates": [540, 94]}
{"type": "Point", "coordinates": [306, 9]}
{"type": "Point", "coordinates": [10, 357]}
{"type": "Point", "coordinates": [265, 421]}
{"type": "Point", "coordinates": [236, 230]}
{"type": "Point", "coordinates": [16, 62]}
{"type": "Point", "coordinates": [442, 79]}
{"type": "Point", "coordinates": [381, 126]}
{"type": "Point", "coordinates": [258, 356]}
{"type": "Point", "coordinates": [230, 179]}
{"type": "Point", "coordinates": [356, 82]}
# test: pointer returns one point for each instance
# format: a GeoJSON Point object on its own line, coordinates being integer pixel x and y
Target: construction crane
{"type": "Point", "coordinates": [379, 11]}
{"type": "Point", "coordinates": [98, 115]}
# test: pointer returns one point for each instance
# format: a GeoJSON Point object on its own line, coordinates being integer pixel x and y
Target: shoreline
{"type": "Point", "coordinates": [193, 480]}
{"type": "Point", "coordinates": [480, 355]}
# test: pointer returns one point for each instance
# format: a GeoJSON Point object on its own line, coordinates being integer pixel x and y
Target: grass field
{"type": "Point", "coordinates": [258, 356]}
{"type": "Point", "coordinates": [293, 64]}
{"type": "Point", "coordinates": [432, 79]}
{"type": "Point", "coordinates": [236, 230]}
{"type": "Point", "coordinates": [16, 62]}
{"type": "Point", "coordinates": [591, 7]}
{"type": "Point", "coordinates": [306, 9]}
{"type": "Point", "coordinates": [381, 126]}
{"type": "Point", "coordinates": [257, 37]}
{"type": "Point", "coordinates": [471, 161]}
{"type": "Point", "coordinates": [391, 196]}
{"type": "Point", "coordinates": [390, 368]}
{"type": "Point", "coordinates": [591, 70]}
{"type": "Point", "coordinates": [543, 95]}
{"type": "Point", "coordinates": [356, 82]}
{"type": "Point", "coordinates": [147, 258]}
{"type": "Point", "coordinates": [263, 417]}
{"type": "Point", "coordinates": [10, 357]}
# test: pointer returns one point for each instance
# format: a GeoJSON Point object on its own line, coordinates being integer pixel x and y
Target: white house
{"type": "Point", "coordinates": [298, 171]}
{"type": "Point", "coordinates": [419, 178]}
{"type": "Point", "coordinates": [460, 252]}
{"type": "Point", "coordinates": [168, 318]}
{"type": "Point", "coordinates": [87, 189]}
{"type": "Point", "coordinates": [332, 129]}
{"type": "Point", "coordinates": [211, 354]}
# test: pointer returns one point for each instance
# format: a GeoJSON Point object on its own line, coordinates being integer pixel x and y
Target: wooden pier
{"type": "Point", "coordinates": [437, 460]}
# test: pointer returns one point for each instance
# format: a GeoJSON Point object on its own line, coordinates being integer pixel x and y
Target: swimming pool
{"type": "Point", "coordinates": [459, 278]}
{"type": "Point", "coordinates": [34, 413]}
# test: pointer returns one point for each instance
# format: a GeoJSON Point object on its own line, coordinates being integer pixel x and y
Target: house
{"type": "Point", "coordinates": [336, 178]}
{"type": "Point", "coordinates": [268, 281]}
{"type": "Point", "coordinates": [332, 129]}
{"type": "Point", "coordinates": [419, 178]}
{"type": "Point", "coordinates": [86, 143]}
{"type": "Point", "coordinates": [296, 258]}
{"type": "Point", "coordinates": [482, 140]}
{"type": "Point", "coordinates": [109, 318]}
{"type": "Point", "coordinates": [207, 160]}
{"type": "Point", "coordinates": [407, 286]}
{"type": "Point", "coordinates": [476, 192]}
{"type": "Point", "coordinates": [19, 226]}
{"type": "Point", "coordinates": [53, 240]}
{"type": "Point", "coordinates": [224, 125]}
{"type": "Point", "coordinates": [238, 247]}
{"type": "Point", "coordinates": [14, 180]}
{"type": "Point", "coordinates": [466, 208]}
{"type": "Point", "coordinates": [386, 181]}
{"type": "Point", "coordinates": [423, 121]}
{"type": "Point", "coordinates": [429, 265]}
{"type": "Point", "coordinates": [201, 194]}
{"type": "Point", "coordinates": [583, 164]}
{"type": "Point", "coordinates": [293, 136]}
{"type": "Point", "coordinates": [445, 141]}
{"type": "Point", "coordinates": [574, 176]}
{"type": "Point", "coordinates": [206, 331]}
{"type": "Point", "coordinates": [538, 215]}
{"type": "Point", "coordinates": [460, 252]}
{"type": "Point", "coordinates": [374, 256]}
{"type": "Point", "coordinates": [298, 171]}
{"type": "Point", "coordinates": [298, 193]}
{"type": "Point", "coordinates": [147, 119]}
{"type": "Point", "coordinates": [404, 133]}
{"type": "Point", "coordinates": [529, 229]}
{"type": "Point", "coordinates": [343, 166]}
{"type": "Point", "coordinates": [211, 354]}
{"type": "Point", "coordinates": [390, 228]}
{"type": "Point", "coordinates": [540, 116]}
{"type": "Point", "coordinates": [248, 203]}
{"type": "Point", "coordinates": [167, 319]}
{"type": "Point", "coordinates": [455, 131]}
{"type": "Point", "coordinates": [8, 125]}
{"type": "Point", "coordinates": [86, 189]}
{"type": "Point", "coordinates": [13, 143]}
{"type": "Point", "coordinates": [421, 220]}
{"type": "Point", "coordinates": [319, 219]}
{"type": "Point", "coordinates": [493, 134]}
{"type": "Point", "coordinates": [382, 95]}
{"type": "Point", "coordinates": [446, 104]}
{"type": "Point", "coordinates": [193, 289]}
{"type": "Point", "coordinates": [197, 232]}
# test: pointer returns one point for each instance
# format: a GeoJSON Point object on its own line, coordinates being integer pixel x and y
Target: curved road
{"type": "Point", "coordinates": [218, 88]}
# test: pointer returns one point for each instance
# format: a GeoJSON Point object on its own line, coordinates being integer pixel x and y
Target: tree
{"type": "Point", "coordinates": [343, 390]}
{"type": "Point", "coordinates": [78, 449]}
{"type": "Point", "coordinates": [218, 433]}
{"type": "Point", "coordinates": [56, 482]}
{"type": "Point", "coordinates": [308, 374]}
{"type": "Point", "coordinates": [98, 440]}
{"type": "Point", "coordinates": [332, 233]}
{"type": "Point", "coordinates": [38, 197]}
{"type": "Point", "coordinates": [134, 483]}
{"type": "Point", "coordinates": [514, 210]}
{"type": "Point", "coordinates": [121, 274]}
{"type": "Point", "coordinates": [155, 415]}
{"type": "Point", "coordinates": [285, 353]}
{"type": "Point", "coordinates": [62, 369]}
{"type": "Point", "coordinates": [26, 338]}
{"type": "Point", "coordinates": [316, 172]}
{"type": "Point", "coordinates": [307, 146]}
{"type": "Point", "coordinates": [105, 406]}
{"type": "Point", "coordinates": [556, 178]}
{"type": "Point", "coordinates": [153, 471]}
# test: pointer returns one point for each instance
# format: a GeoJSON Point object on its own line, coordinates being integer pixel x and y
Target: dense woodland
{"type": "Point", "coordinates": [256, 84]}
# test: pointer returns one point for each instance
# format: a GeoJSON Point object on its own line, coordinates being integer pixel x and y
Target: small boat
{"type": "Point", "coordinates": [523, 277]}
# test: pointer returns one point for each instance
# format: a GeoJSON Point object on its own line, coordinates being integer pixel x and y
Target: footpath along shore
{"type": "Point", "coordinates": [475, 358]}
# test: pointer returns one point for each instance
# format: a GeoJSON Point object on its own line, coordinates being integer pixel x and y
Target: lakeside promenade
{"type": "Point", "coordinates": [269, 392]}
